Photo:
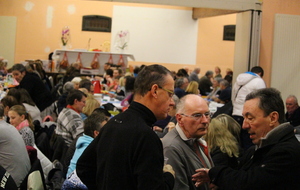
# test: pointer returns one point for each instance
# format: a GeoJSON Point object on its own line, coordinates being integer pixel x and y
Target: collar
{"type": "Point", "coordinates": [275, 134]}
{"type": "Point", "coordinates": [71, 107]}
{"type": "Point", "coordinates": [22, 125]}
{"type": "Point", "coordinates": [190, 141]}
{"type": "Point", "coordinates": [142, 111]}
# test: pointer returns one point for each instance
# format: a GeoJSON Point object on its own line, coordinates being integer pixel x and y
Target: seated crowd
{"type": "Point", "coordinates": [62, 130]}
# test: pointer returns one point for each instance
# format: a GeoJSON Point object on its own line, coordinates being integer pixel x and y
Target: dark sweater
{"type": "Point", "coordinates": [37, 90]}
{"type": "Point", "coordinates": [126, 154]}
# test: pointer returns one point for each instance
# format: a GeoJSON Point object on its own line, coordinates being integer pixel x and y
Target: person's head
{"type": "Point", "coordinates": [224, 84]}
{"type": "Point", "coordinates": [129, 83]}
{"type": "Point", "coordinates": [197, 70]}
{"type": "Point", "coordinates": [192, 88]}
{"type": "Point", "coordinates": [15, 93]}
{"type": "Point", "coordinates": [90, 105]}
{"type": "Point", "coordinates": [263, 111]}
{"type": "Point", "coordinates": [109, 72]}
{"type": "Point", "coordinates": [216, 82]}
{"type": "Point", "coordinates": [193, 116]}
{"type": "Point", "coordinates": [76, 81]}
{"type": "Point", "coordinates": [8, 102]}
{"type": "Point", "coordinates": [172, 111]}
{"type": "Point", "coordinates": [229, 71]}
{"type": "Point", "coordinates": [18, 72]}
{"type": "Point", "coordinates": [217, 70]}
{"type": "Point", "coordinates": [291, 104]}
{"type": "Point", "coordinates": [181, 73]}
{"type": "Point", "coordinates": [87, 84]}
{"type": "Point", "coordinates": [92, 124]}
{"type": "Point", "coordinates": [76, 99]}
{"type": "Point", "coordinates": [224, 132]}
{"type": "Point", "coordinates": [154, 87]}
{"type": "Point", "coordinates": [231, 124]}
{"type": "Point", "coordinates": [105, 112]}
{"type": "Point", "coordinates": [68, 86]}
{"type": "Point", "coordinates": [209, 74]}
{"type": "Point", "coordinates": [258, 70]}
{"type": "Point", "coordinates": [106, 66]}
{"type": "Point", "coordinates": [182, 83]}
{"type": "Point", "coordinates": [18, 114]}
{"type": "Point", "coordinates": [25, 97]}
{"type": "Point", "coordinates": [115, 73]}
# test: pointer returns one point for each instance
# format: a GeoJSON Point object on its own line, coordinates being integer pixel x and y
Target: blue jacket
{"type": "Point", "coordinates": [81, 145]}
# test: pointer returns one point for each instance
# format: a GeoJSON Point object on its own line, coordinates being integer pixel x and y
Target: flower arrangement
{"type": "Point", "coordinates": [65, 35]}
{"type": "Point", "coordinates": [122, 39]}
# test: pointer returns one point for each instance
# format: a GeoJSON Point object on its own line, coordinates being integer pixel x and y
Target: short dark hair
{"type": "Point", "coordinates": [75, 95]}
{"type": "Point", "coordinates": [9, 101]}
{"type": "Point", "coordinates": [149, 75]}
{"type": "Point", "coordinates": [93, 123]}
{"type": "Point", "coordinates": [257, 69]}
{"type": "Point", "coordinates": [85, 83]}
{"type": "Point", "coordinates": [109, 72]}
{"type": "Point", "coordinates": [269, 100]}
{"type": "Point", "coordinates": [18, 67]}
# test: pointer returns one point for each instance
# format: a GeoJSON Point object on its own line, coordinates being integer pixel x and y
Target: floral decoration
{"type": "Point", "coordinates": [65, 35]}
{"type": "Point", "coordinates": [122, 39]}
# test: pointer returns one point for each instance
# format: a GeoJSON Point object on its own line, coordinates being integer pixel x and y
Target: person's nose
{"type": "Point", "coordinates": [245, 125]}
{"type": "Point", "coordinates": [172, 103]}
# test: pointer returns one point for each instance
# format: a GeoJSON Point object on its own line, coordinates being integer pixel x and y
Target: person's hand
{"type": "Point", "coordinates": [201, 176]}
{"type": "Point", "coordinates": [168, 168]}
{"type": "Point", "coordinates": [171, 126]}
{"type": "Point", "coordinates": [156, 128]}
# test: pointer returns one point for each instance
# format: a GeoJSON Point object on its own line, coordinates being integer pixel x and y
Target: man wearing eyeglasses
{"type": "Point", "coordinates": [183, 146]}
{"type": "Point", "coordinates": [274, 161]}
{"type": "Point", "coordinates": [127, 154]}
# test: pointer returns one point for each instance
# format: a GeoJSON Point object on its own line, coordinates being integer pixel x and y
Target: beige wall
{"type": "Point", "coordinates": [38, 33]}
{"type": "Point", "coordinates": [270, 8]}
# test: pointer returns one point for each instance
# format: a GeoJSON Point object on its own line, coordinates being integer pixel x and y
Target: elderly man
{"type": "Point", "coordinates": [127, 154]}
{"type": "Point", "coordinates": [293, 110]}
{"type": "Point", "coordinates": [69, 121]}
{"type": "Point", "coordinates": [274, 161]}
{"type": "Point", "coordinates": [183, 146]}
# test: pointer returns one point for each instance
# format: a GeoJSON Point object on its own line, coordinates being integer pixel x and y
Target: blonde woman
{"type": "Point", "coordinates": [192, 88]}
{"type": "Point", "coordinates": [90, 105]}
{"type": "Point", "coordinates": [223, 141]}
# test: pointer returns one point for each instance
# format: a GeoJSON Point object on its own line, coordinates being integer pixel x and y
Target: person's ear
{"type": "Point", "coordinates": [153, 90]}
{"type": "Point", "coordinates": [274, 116]}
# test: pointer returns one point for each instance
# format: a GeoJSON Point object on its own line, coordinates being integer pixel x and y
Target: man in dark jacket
{"type": "Point", "coordinates": [34, 85]}
{"type": "Point", "coordinates": [128, 154]}
{"type": "Point", "coordinates": [274, 161]}
{"type": "Point", "coordinates": [292, 114]}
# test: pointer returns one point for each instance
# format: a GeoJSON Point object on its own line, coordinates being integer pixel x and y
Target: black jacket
{"type": "Point", "coordinates": [127, 154]}
{"type": "Point", "coordinates": [275, 165]}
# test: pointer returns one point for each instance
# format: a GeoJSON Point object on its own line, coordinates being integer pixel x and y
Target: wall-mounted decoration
{"type": "Point", "coordinates": [229, 32]}
{"type": "Point", "coordinates": [96, 23]}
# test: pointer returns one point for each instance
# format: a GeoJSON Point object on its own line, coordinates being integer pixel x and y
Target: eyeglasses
{"type": "Point", "coordinates": [198, 116]}
{"type": "Point", "coordinates": [171, 93]}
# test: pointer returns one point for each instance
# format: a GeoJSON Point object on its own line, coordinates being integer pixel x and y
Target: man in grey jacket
{"type": "Point", "coordinates": [183, 146]}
